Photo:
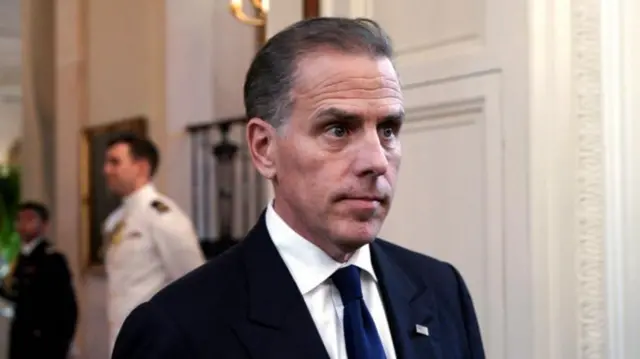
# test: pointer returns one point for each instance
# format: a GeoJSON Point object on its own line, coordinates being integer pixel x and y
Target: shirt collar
{"type": "Point", "coordinates": [27, 248]}
{"type": "Point", "coordinates": [308, 264]}
{"type": "Point", "coordinates": [140, 196]}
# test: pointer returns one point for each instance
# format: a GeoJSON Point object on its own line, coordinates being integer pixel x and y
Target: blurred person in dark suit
{"type": "Point", "coordinates": [40, 286]}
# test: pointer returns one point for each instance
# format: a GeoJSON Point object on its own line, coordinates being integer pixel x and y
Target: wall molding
{"type": "Point", "coordinates": [590, 193]}
{"type": "Point", "coordinates": [454, 113]}
{"type": "Point", "coordinates": [568, 181]}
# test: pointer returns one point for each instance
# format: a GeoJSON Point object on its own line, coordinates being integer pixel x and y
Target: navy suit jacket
{"type": "Point", "coordinates": [246, 305]}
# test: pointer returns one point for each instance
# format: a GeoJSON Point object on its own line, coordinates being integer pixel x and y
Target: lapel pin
{"type": "Point", "coordinates": [421, 329]}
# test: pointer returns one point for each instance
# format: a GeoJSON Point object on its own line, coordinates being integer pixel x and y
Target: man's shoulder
{"type": "Point", "coordinates": [53, 258]}
{"type": "Point", "coordinates": [410, 256]}
{"type": "Point", "coordinates": [49, 250]}
{"type": "Point", "coordinates": [195, 313]}
{"type": "Point", "coordinates": [419, 265]}
{"type": "Point", "coordinates": [162, 207]}
{"type": "Point", "coordinates": [162, 212]}
{"type": "Point", "coordinates": [213, 288]}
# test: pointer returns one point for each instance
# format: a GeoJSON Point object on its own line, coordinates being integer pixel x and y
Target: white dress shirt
{"type": "Point", "coordinates": [156, 245]}
{"type": "Point", "coordinates": [27, 248]}
{"type": "Point", "coordinates": [311, 269]}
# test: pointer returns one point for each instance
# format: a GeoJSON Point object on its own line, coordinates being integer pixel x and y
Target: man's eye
{"type": "Point", "coordinates": [338, 131]}
{"type": "Point", "coordinates": [387, 132]}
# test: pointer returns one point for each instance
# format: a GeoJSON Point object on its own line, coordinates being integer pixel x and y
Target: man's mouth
{"type": "Point", "coordinates": [365, 199]}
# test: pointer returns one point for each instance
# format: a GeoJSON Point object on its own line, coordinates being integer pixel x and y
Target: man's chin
{"type": "Point", "coordinates": [359, 233]}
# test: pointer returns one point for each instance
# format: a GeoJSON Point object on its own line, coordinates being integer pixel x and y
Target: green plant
{"type": "Point", "coordinates": [9, 201]}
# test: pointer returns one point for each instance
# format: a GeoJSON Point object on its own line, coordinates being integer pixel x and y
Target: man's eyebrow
{"type": "Point", "coordinates": [337, 114]}
{"type": "Point", "coordinates": [342, 115]}
{"type": "Point", "coordinates": [397, 116]}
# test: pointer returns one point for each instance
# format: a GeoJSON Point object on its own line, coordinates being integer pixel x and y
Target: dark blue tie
{"type": "Point", "coordinates": [360, 334]}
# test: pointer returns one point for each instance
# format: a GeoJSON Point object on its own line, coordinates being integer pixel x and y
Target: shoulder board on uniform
{"type": "Point", "coordinates": [160, 206]}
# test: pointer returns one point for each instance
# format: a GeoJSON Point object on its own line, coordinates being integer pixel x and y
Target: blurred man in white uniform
{"type": "Point", "coordinates": [149, 241]}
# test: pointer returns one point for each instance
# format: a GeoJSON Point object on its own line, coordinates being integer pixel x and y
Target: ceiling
{"type": "Point", "coordinates": [10, 51]}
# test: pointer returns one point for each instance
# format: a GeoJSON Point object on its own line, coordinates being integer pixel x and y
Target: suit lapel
{"type": "Point", "coordinates": [279, 325]}
{"type": "Point", "coordinates": [40, 249]}
{"type": "Point", "coordinates": [408, 303]}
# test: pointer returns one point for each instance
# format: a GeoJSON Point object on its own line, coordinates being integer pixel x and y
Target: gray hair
{"type": "Point", "coordinates": [271, 76]}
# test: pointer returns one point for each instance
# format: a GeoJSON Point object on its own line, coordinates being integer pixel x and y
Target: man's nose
{"type": "Point", "coordinates": [371, 156]}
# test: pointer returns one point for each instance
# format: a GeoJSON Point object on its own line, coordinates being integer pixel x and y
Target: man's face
{"type": "Point", "coordinates": [335, 162]}
{"type": "Point", "coordinates": [121, 169]}
{"type": "Point", "coordinates": [29, 225]}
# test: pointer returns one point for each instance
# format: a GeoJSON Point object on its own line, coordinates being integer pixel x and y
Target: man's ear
{"type": "Point", "coordinates": [261, 142]}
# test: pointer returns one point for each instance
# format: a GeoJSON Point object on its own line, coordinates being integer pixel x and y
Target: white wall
{"type": "Point", "coordinates": [10, 126]}
{"type": "Point", "coordinates": [207, 55]}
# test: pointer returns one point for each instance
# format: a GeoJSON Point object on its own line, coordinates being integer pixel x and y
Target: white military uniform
{"type": "Point", "coordinates": [149, 243]}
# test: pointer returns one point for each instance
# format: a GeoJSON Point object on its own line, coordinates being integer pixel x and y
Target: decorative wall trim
{"type": "Point", "coordinates": [445, 115]}
{"type": "Point", "coordinates": [590, 203]}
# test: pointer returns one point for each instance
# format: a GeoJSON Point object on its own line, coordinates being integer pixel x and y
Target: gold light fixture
{"type": "Point", "coordinates": [261, 7]}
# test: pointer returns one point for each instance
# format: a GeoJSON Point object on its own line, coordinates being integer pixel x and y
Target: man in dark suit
{"type": "Point", "coordinates": [311, 280]}
{"type": "Point", "coordinates": [41, 289]}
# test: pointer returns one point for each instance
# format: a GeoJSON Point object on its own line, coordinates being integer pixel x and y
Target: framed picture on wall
{"type": "Point", "coordinates": [97, 201]}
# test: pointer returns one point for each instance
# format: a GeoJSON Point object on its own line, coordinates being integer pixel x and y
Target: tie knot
{"type": "Point", "coordinates": [347, 280]}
